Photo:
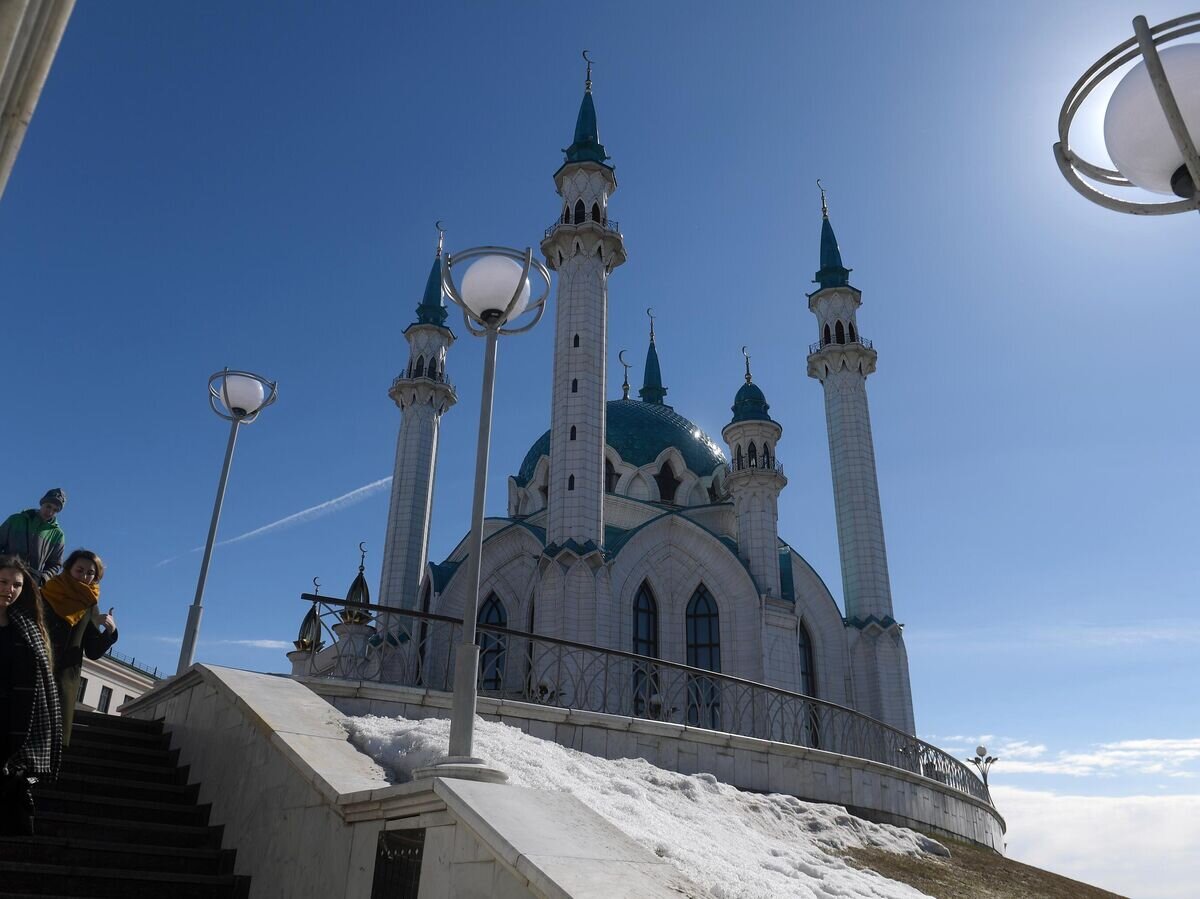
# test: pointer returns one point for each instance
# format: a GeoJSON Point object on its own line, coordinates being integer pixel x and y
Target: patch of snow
{"type": "Point", "coordinates": [732, 844]}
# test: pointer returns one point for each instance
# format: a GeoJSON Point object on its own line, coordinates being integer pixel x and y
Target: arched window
{"type": "Point", "coordinates": [571, 482]}
{"type": "Point", "coordinates": [610, 477]}
{"type": "Point", "coordinates": [579, 212]}
{"type": "Point", "coordinates": [433, 369]}
{"type": "Point", "coordinates": [827, 338]}
{"type": "Point", "coordinates": [853, 336]}
{"type": "Point", "coordinates": [752, 453]}
{"type": "Point", "coordinates": [572, 432]}
{"type": "Point", "coordinates": [576, 341]}
{"type": "Point", "coordinates": [595, 212]}
{"type": "Point", "coordinates": [667, 483]}
{"type": "Point", "coordinates": [703, 651]}
{"type": "Point", "coordinates": [645, 643]}
{"type": "Point", "coordinates": [766, 456]}
{"type": "Point", "coordinates": [566, 218]}
{"type": "Point", "coordinates": [574, 385]}
{"type": "Point", "coordinates": [738, 457]}
{"type": "Point", "coordinates": [808, 686]}
{"type": "Point", "coordinates": [492, 647]}
{"type": "Point", "coordinates": [419, 372]}
{"type": "Point", "coordinates": [840, 332]}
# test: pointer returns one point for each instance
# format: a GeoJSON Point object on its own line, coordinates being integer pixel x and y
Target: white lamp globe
{"type": "Point", "coordinates": [489, 284]}
{"type": "Point", "coordinates": [242, 395]}
{"type": "Point", "coordinates": [981, 751]}
{"type": "Point", "coordinates": [1136, 132]}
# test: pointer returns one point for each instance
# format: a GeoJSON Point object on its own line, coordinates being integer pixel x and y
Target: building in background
{"type": "Point", "coordinates": [112, 680]}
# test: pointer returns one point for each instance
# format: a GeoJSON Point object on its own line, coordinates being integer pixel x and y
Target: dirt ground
{"type": "Point", "coordinates": [972, 872]}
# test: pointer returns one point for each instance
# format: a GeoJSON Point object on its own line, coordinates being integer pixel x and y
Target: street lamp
{"type": "Point", "coordinates": [1152, 123]}
{"type": "Point", "coordinates": [238, 397]}
{"type": "Point", "coordinates": [495, 292]}
{"type": "Point", "coordinates": [984, 762]}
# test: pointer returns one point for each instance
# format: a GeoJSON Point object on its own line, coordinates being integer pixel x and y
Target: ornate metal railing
{"type": "Point", "coordinates": [606, 224]}
{"type": "Point", "coordinates": [416, 649]}
{"type": "Point", "coordinates": [771, 465]}
{"type": "Point", "coordinates": [821, 344]}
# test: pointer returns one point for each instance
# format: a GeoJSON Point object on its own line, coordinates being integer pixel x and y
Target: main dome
{"type": "Point", "coordinates": [638, 432]}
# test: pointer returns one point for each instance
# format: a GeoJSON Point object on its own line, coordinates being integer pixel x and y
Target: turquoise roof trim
{"type": "Point", "coordinates": [639, 432]}
{"type": "Point", "coordinates": [432, 308]}
{"type": "Point", "coordinates": [832, 273]}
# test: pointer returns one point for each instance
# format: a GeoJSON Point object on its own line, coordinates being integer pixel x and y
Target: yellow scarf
{"type": "Point", "coordinates": [70, 599]}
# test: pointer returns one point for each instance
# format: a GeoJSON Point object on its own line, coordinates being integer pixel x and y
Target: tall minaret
{"type": "Point", "coordinates": [754, 482]}
{"type": "Point", "coordinates": [841, 360]}
{"type": "Point", "coordinates": [423, 394]}
{"type": "Point", "coordinates": [583, 247]}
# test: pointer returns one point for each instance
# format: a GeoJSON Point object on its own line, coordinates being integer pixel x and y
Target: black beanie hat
{"type": "Point", "coordinates": [54, 495]}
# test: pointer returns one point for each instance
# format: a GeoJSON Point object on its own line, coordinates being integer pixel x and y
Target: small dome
{"type": "Point", "coordinates": [750, 404]}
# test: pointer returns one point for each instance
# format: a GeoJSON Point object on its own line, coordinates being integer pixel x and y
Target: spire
{"type": "Point", "coordinates": [432, 308]}
{"type": "Point", "coordinates": [586, 147]}
{"type": "Point", "coordinates": [652, 387]}
{"type": "Point", "coordinates": [625, 384]}
{"type": "Point", "coordinates": [750, 404]}
{"type": "Point", "coordinates": [832, 273]}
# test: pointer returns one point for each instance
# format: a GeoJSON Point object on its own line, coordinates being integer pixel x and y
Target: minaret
{"type": "Point", "coordinates": [652, 386]}
{"type": "Point", "coordinates": [583, 246]}
{"type": "Point", "coordinates": [423, 394]}
{"type": "Point", "coordinates": [754, 481]}
{"type": "Point", "coordinates": [842, 360]}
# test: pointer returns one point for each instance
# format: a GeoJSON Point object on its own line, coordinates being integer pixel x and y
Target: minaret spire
{"type": "Point", "coordinates": [587, 84]}
{"type": "Point", "coordinates": [652, 385]}
{"type": "Point", "coordinates": [625, 385]}
{"type": "Point", "coordinates": [832, 273]}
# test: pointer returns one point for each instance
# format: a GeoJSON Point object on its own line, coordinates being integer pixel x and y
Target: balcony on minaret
{"type": "Point", "coordinates": [856, 340]}
{"type": "Point", "coordinates": [592, 219]}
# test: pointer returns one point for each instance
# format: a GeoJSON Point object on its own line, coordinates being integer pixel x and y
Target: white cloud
{"type": "Point", "coordinates": [1139, 846]}
{"type": "Point", "coordinates": [257, 644]}
{"type": "Point", "coordinates": [320, 510]}
{"type": "Point", "coordinates": [1084, 637]}
{"type": "Point", "coordinates": [1168, 757]}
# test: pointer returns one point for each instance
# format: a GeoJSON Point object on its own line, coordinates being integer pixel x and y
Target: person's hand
{"type": "Point", "coordinates": [110, 623]}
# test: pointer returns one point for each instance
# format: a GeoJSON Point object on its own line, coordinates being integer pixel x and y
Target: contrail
{"type": "Point", "coordinates": [304, 515]}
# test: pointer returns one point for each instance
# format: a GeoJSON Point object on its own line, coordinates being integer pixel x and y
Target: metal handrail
{"type": "Point", "coordinates": [404, 646]}
{"type": "Point", "coordinates": [133, 663]}
{"type": "Point", "coordinates": [821, 344]}
{"type": "Point", "coordinates": [732, 468]}
{"type": "Point", "coordinates": [606, 224]}
{"type": "Point", "coordinates": [404, 376]}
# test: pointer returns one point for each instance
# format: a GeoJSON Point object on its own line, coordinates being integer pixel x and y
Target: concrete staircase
{"type": "Point", "coordinates": [121, 822]}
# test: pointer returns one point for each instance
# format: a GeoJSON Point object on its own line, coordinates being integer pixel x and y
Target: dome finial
{"type": "Point", "coordinates": [441, 236]}
{"type": "Point", "coordinates": [650, 312]}
{"type": "Point", "coordinates": [652, 385]}
{"type": "Point", "coordinates": [747, 355]}
{"type": "Point", "coordinates": [362, 559]}
{"type": "Point", "coordinates": [587, 84]}
{"type": "Point", "coordinates": [624, 386]}
{"type": "Point", "coordinates": [824, 207]}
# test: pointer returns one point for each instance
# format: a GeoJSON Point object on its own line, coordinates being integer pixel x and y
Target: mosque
{"type": "Point", "coordinates": [627, 527]}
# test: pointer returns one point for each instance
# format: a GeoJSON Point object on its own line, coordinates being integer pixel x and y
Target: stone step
{"type": "Point", "coordinates": [95, 854]}
{"type": "Point", "coordinates": [83, 746]}
{"type": "Point", "coordinates": [120, 830]}
{"type": "Point", "coordinates": [77, 783]}
{"type": "Point", "coordinates": [117, 721]}
{"type": "Point", "coordinates": [50, 799]}
{"type": "Point", "coordinates": [101, 766]}
{"type": "Point", "coordinates": [103, 733]}
{"type": "Point", "coordinates": [117, 883]}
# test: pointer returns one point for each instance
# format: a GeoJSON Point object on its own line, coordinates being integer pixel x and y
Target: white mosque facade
{"type": "Point", "coordinates": [627, 527]}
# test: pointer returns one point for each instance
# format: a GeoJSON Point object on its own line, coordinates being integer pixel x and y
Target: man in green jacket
{"type": "Point", "coordinates": [35, 536]}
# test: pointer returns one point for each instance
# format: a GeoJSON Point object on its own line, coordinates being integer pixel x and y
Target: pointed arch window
{"type": "Point", "coordinates": [576, 341]}
{"type": "Point", "coordinates": [419, 371]}
{"type": "Point", "coordinates": [571, 482]}
{"type": "Point", "coordinates": [668, 484]}
{"type": "Point", "coordinates": [433, 369]}
{"type": "Point", "coordinates": [574, 385]}
{"type": "Point", "coordinates": [766, 456]}
{"type": "Point", "coordinates": [580, 212]}
{"type": "Point", "coordinates": [610, 477]}
{"type": "Point", "coordinates": [572, 432]}
{"type": "Point", "coordinates": [595, 212]}
{"type": "Point", "coordinates": [752, 456]}
{"type": "Point", "coordinates": [566, 214]}
{"type": "Point", "coordinates": [853, 335]}
{"type": "Point", "coordinates": [839, 332]}
{"type": "Point", "coordinates": [646, 701]}
{"type": "Point", "coordinates": [492, 647]}
{"type": "Point", "coordinates": [827, 338]}
{"type": "Point", "coordinates": [741, 462]}
{"type": "Point", "coordinates": [703, 651]}
{"type": "Point", "coordinates": [810, 722]}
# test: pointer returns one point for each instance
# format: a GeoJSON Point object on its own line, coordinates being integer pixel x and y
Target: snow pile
{"type": "Point", "coordinates": [734, 845]}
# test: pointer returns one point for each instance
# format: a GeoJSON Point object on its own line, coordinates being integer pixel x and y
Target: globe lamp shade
{"type": "Point", "coordinates": [488, 287]}
{"type": "Point", "coordinates": [1136, 132]}
{"type": "Point", "coordinates": [242, 395]}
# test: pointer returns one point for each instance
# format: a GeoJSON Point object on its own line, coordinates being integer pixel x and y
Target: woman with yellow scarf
{"type": "Point", "coordinates": [72, 612]}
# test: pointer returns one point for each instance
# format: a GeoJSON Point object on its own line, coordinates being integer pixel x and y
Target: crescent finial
{"type": "Point", "coordinates": [624, 386]}
{"type": "Point", "coordinates": [588, 79]}
{"type": "Point", "coordinates": [362, 547]}
{"type": "Point", "coordinates": [824, 208]}
{"type": "Point", "coordinates": [650, 312]}
{"type": "Point", "coordinates": [316, 585]}
{"type": "Point", "coordinates": [747, 355]}
{"type": "Point", "coordinates": [441, 235]}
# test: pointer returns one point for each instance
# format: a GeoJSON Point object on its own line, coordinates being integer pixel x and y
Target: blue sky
{"type": "Point", "coordinates": [255, 185]}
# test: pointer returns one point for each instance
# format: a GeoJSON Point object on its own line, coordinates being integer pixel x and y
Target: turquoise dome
{"type": "Point", "coordinates": [638, 432]}
{"type": "Point", "coordinates": [750, 404]}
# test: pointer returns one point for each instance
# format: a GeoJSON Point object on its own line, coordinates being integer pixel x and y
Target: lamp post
{"type": "Point", "coordinates": [238, 397]}
{"type": "Point", "coordinates": [494, 294]}
{"type": "Point", "coordinates": [1152, 123]}
{"type": "Point", "coordinates": [984, 762]}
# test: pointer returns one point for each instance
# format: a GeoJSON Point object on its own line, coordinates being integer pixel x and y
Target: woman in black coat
{"type": "Point", "coordinates": [30, 715]}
